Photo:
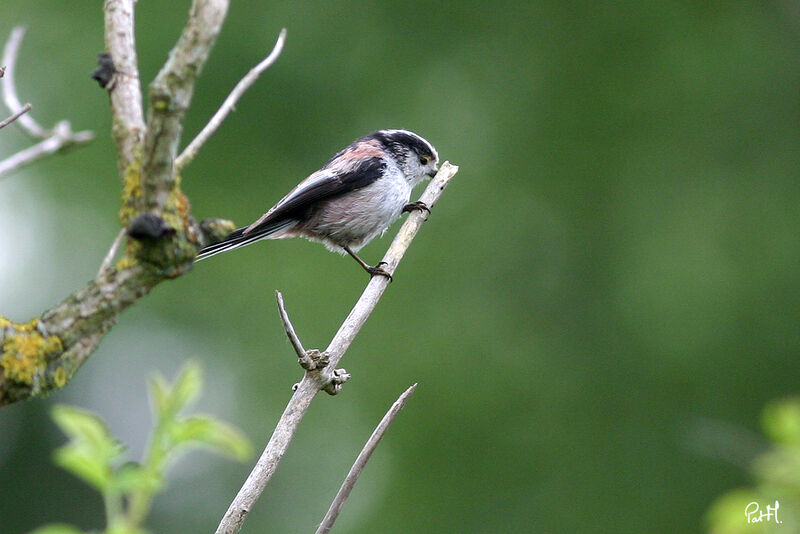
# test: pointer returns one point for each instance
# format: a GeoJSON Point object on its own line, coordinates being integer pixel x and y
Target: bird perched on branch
{"type": "Point", "coordinates": [354, 197]}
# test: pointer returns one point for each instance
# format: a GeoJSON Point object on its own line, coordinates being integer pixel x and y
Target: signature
{"type": "Point", "coordinates": [754, 514]}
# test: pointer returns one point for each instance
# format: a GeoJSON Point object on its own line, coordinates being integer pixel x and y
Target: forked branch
{"type": "Point", "coordinates": [42, 355]}
{"type": "Point", "coordinates": [51, 141]}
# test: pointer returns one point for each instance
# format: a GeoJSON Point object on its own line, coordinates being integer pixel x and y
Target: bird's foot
{"type": "Point", "coordinates": [377, 270]}
{"type": "Point", "coordinates": [416, 206]}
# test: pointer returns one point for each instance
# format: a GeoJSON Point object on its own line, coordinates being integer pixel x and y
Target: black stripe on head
{"type": "Point", "coordinates": [397, 141]}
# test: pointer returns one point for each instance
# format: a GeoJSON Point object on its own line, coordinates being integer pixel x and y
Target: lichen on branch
{"type": "Point", "coordinates": [163, 238]}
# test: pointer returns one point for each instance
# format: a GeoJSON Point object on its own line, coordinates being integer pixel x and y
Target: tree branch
{"type": "Point", "coordinates": [229, 104]}
{"type": "Point", "coordinates": [361, 461]}
{"type": "Point", "coordinates": [12, 102]}
{"type": "Point", "coordinates": [125, 92]}
{"type": "Point", "coordinates": [42, 355]}
{"type": "Point", "coordinates": [318, 379]}
{"type": "Point", "coordinates": [170, 96]}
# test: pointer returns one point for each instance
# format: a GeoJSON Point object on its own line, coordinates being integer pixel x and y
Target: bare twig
{"type": "Point", "coordinates": [305, 360]}
{"type": "Point", "coordinates": [229, 104]}
{"type": "Point", "coordinates": [125, 89]}
{"type": "Point", "coordinates": [313, 382]}
{"type": "Point", "coordinates": [53, 140]}
{"type": "Point", "coordinates": [61, 138]}
{"type": "Point", "coordinates": [361, 461]}
{"type": "Point", "coordinates": [10, 54]}
{"type": "Point", "coordinates": [26, 108]}
{"type": "Point", "coordinates": [29, 155]}
{"type": "Point", "coordinates": [112, 252]}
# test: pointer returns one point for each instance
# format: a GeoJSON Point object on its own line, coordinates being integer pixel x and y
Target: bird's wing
{"type": "Point", "coordinates": [323, 184]}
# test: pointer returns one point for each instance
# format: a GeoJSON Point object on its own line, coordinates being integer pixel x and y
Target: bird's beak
{"type": "Point", "coordinates": [433, 172]}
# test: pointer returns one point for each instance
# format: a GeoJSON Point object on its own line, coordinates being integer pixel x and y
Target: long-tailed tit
{"type": "Point", "coordinates": [354, 197]}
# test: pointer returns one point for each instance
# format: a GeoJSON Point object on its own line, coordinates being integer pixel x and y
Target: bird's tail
{"type": "Point", "coordinates": [238, 238]}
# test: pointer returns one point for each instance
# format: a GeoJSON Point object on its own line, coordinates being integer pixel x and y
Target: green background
{"type": "Point", "coordinates": [596, 311]}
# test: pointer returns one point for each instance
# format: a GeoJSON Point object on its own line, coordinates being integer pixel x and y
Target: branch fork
{"type": "Point", "coordinates": [160, 246]}
{"type": "Point", "coordinates": [51, 141]}
{"type": "Point", "coordinates": [312, 360]}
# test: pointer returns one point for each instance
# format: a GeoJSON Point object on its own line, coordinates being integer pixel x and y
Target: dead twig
{"type": "Point", "coordinates": [305, 360]}
{"type": "Point", "coordinates": [229, 104]}
{"type": "Point", "coordinates": [60, 137]}
{"type": "Point", "coordinates": [361, 461]}
{"type": "Point", "coordinates": [10, 98]}
{"type": "Point", "coordinates": [112, 252]}
{"type": "Point", "coordinates": [26, 108]}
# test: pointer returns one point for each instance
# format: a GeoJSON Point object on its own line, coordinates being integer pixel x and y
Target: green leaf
{"type": "Point", "coordinates": [80, 425]}
{"type": "Point", "coordinates": [91, 450]}
{"type": "Point", "coordinates": [171, 400]}
{"type": "Point", "coordinates": [187, 385]}
{"type": "Point", "coordinates": [159, 396]}
{"type": "Point", "coordinates": [84, 465]}
{"type": "Point", "coordinates": [218, 436]}
{"type": "Point", "coordinates": [57, 529]}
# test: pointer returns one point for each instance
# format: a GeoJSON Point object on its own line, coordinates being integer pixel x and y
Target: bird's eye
{"type": "Point", "coordinates": [424, 160]}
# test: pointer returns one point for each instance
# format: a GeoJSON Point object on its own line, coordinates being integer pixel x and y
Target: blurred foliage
{"type": "Point", "coordinates": [777, 481]}
{"type": "Point", "coordinates": [612, 273]}
{"type": "Point", "coordinates": [128, 488]}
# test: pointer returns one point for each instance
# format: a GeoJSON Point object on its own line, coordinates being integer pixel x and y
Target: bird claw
{"type": "Point", "coordinates": [378, 271]}
{"type": "Point", "coordinates": [416, 206]}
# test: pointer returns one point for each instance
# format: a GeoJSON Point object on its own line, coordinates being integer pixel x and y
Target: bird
{"type": "Point", "coordinates": [352, 199]}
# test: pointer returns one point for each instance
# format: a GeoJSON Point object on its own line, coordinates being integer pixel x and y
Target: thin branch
{"type": "Point", "coordinates": [287, 325]}
{"type": "Point", "coordinates": [112, 252]}
{"type": "Point", "coordinates": [10, 54]}
{"type": "Point", "coordinates": [62, 138]}
{"type": "Point", "coordinates": [29, 155]}
{"type": "Point", "coordinates": [53, 140]}
{"type": "Point", "coordinates": [313, 382]}
{"type": "Point", "coordinates": [229, 104]}
{"type": "Point", "coordinates": [26, 108]}
{"type": "Point", "coordinates": [361, 461]}
{"type": "Point", "coordinates": [125, 90]}
{"type": "Point", "coordinates": [170, 95]}
{"type": "Point", "coordinates": [303, 357]}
